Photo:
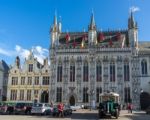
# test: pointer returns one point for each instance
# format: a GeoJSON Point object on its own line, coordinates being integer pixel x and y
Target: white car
{"type": "Point", "coordinates": [41, 108]}
{"type": "Point", "coordinates": [75, 107]}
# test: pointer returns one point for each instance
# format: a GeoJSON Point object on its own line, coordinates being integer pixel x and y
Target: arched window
{"type": "Point", "coordinates": [126, 71]}
{"type": "Point", "coordinates": [59, 72]}
{"type": "Point", "coordinates": [85, 95]}
{"type": "Point", "coordinates": [127, 96]}
{"type": "Point", "coordinates": [98, 72]}
{"type": "Point", "coordinates": [144, 67]}
{"type": "Point", "coordinates": [85, 71]}
{"type": "Point", "coordinates": [72, 72]}
{"type": "Point", "coordinates": [98, 91]}
{"type": "Point", "coordinates": [112, 72]}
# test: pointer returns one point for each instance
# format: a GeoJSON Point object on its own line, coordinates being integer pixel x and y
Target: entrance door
{"type": "Point", "coordinates": [44, 97]}
{"type": "Point", "coordinates": [72, 101]}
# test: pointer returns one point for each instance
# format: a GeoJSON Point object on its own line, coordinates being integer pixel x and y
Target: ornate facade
{"type": "Point", "coordinates": [29, 82]}
{"type": "Point", "coordinates": [84, 64]}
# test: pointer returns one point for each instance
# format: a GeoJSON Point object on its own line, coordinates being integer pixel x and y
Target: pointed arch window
{"type": "Point", "coordinates": [72, 72]}
{"type": "Point", "coordinates": [59, 94]}
{"type": "Point", "coordinates": [59, 72]}
{"type": "Point", "coordinates": [126, 71]}
{"type": "Point", "coordinates": [98, 91]}
{"type": "Point", "coordinates": [127, 95]}
{"type": "Point", "coordinates": [144, 67]}
{"type": "Point", "coordinates": [85, 72]}
{"type": "Point", "coordinates": [98, 72]}
{"type": "Point", "coordinates": [85, 95]}
{"type": "Point", "coordinates": [112, 72]}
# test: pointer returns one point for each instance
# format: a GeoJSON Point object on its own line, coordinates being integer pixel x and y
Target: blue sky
{"type": "Point", "coordinates": [24, 24]}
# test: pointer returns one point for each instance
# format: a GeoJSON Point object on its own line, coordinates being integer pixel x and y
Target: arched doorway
{"type": "Point", "coordinates": [144, 100]}
{"type": "Point", "coordinates": [72, 101]}
{"type": "Point", "coordinates": [44, 97]}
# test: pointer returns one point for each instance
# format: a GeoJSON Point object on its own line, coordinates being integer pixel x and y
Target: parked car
{"type": "Point", "coordinates": [75, 107]}
{"type": "Point", "coordinates": [148, 110]}
{"type": "Point", "coordinates": [23, 108]}
{"type": "Point", "coordinates": [41, 108]}
{"type": "Point", "coordinates": [6, 107]}
{"type": "Point", "coordinates": [67, 110]}
{"type": "Point", "coordinates": [55, 111]}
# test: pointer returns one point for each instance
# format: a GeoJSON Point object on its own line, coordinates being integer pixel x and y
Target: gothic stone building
{"type": "Point", "coordinates": [30, 82]}
{"type": "Point", "coordinates": [84, 64]}
{"type": "Point", "coordinates": [4, 68]}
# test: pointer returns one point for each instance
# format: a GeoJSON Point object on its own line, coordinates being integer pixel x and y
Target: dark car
{"type": "Point", "coordinates": [23, 108]}
{"type": "Point", "coordinates": [55, 112]}
{"type": "Point", "coordinates": [148, 110]}
{"type": "Point", "coordinates": [67, 110]}
{"type": "Point", "coordinates": [6, 107]}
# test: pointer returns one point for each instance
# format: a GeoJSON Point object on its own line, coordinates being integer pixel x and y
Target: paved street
{"type": "Point", "coordinates": [79, 115]}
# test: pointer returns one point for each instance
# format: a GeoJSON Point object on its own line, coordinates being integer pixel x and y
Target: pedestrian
{"type": "Point", "coordinates": [60, 109]}
{"type": "Point", "coordinates": [130, 108]}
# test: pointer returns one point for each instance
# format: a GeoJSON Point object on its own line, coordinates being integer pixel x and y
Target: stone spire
{"type": "Point", "coordinates": [92, 25]}
{"type": "Point", "coordinates": [131, 21]}
{"type": "Point", "coordinates": [54, 27]}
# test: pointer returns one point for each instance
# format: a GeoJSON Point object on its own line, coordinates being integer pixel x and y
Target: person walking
{"type": "Point", "coordinates": [130, 108]}
{"type": "Point", "coordinates": [60, 109]}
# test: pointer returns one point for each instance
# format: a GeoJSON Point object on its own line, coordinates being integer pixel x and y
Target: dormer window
{"type": "Point", "coordinates": [30, 67]}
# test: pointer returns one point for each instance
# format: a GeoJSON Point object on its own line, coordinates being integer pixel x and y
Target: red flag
{"type": "Point", "coordinates": [101, 37]}
{"type": "Point", "coordinates": [67, 38]}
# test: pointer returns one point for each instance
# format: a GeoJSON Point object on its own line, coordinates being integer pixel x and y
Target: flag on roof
{"type": "Point", "coordinates": [101, 37]}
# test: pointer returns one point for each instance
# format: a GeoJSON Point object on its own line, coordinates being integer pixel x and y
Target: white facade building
{"type": "Point", "coordinates": [84, 64]}
{"type": "Point", "coordinates": [30, 82]}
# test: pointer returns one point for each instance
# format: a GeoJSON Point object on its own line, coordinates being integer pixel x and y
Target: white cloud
{"type": "Point", "coordinates": [134, 9]}
{"type": "Point", "coordinates": [6, 52]}
{"type": "Point", "coordinates": [38, 52]}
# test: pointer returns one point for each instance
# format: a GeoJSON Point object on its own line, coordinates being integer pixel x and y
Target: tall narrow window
{"type": "Point", "coordinates": [22, 80]}
{"type": "Point", "coordinates": [144, 67]}
{"type": "Point", "coordinates": [98, 91]}
{"type": "Point", "coordinates": [29, 81]}
{"type": "Point", "coordinates": [29, 95]}
{"type": "Point", "coordinates": [14, 81]}
{"type": "Point", "coordinates": [36, 81]}
{"type": "Point", "coordinates": [112, 72]}
{"type": "Point", "coordinates": [21, 94]}
{"type": "Point", "coordinates": [127, 96]}
{"type": "Point", "coordinates": [30, 67]}
{"type": "Point", "coordinates": [72, 73]}
{"type": "Point", "coordinates": [98, 72]}
{"type": "Point", "coordinates": [13, 95]}
{"type": "Point", "coordinates": [126, 72]}
{"type": "Point", "coordinates": [59, 73]}
{"type": "Point", "coordinates": [46, 80]}
{"type": "Point", "coordinates": [59, 94]}
{"type": "Point", "coordinates": [85, 95]}
{"type": "Point", "coordinates": [85, 72]}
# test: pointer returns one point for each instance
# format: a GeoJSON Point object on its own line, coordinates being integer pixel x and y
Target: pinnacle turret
{"type": "Point", "coordinates": [131, 21]}
{"type": "Point", "coordinates": [92, 25]}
